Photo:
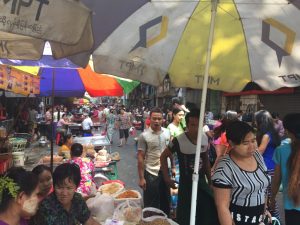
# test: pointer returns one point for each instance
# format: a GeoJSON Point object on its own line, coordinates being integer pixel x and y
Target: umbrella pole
{"type": "Point", "coordinates": [214, 4]}
{"type": "Point", "coordinates": [52, 114]}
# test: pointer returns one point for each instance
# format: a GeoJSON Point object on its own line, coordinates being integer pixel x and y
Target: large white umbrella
{"type": "Point", "coordinates": [221, 45]}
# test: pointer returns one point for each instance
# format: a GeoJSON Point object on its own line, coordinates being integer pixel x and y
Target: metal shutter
{"type": "Point", "coordinates": [282, 104]}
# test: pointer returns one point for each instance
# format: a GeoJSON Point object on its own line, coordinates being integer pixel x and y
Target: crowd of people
{"type": "Point", "coordinates": [241, 168]}
{"type": "Point", "coordinates": [239, 184]}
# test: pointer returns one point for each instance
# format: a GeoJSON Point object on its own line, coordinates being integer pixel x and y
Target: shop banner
{"type": "Point", "coordinates": [18, 82]}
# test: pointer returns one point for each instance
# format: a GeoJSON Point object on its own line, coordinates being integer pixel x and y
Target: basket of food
{"type": "Point", "coordinates": [111, 189]}
{"type": "Point", "coordinates": [57, 160]}
{"type": "Point", "coordinates": [18, 144]}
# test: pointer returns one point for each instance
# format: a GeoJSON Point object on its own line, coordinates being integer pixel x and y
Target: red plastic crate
{"type": "Point", "coordinates": [5, 162]}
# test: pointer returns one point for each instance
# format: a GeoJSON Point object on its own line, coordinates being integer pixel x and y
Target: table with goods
{"type": "Point", "coordinates": [114, 204]}
{"type": "Point", "coordinates": [76, 128]}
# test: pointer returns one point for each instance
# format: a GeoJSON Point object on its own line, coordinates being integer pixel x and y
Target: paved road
{"type": "Point", "coordinates": [127, 167]}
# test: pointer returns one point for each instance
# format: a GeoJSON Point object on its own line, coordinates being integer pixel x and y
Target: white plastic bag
{"type": "Point", "coordinates": [128, 211]}
{"type": "Point", "coordinates": [101, 206]}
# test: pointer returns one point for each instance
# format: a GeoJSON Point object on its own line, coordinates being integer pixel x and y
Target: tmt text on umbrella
{"type": "Point", "coordinates": [17, 4]}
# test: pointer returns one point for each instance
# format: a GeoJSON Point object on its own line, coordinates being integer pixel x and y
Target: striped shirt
{"type": "Point", "coordinates": [247, 188]}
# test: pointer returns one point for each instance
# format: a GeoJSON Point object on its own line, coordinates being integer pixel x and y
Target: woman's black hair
{"type": "Point", "coordinates": [291, 123]}
{"type": "Point", "coordinates": [227, 118]}
{"type": "Point", "coordinates": [40, 169]}
{"type": "Point", "coordinates": [237, 130]}
{"type": "Point", "coordinates": [64, 171]}
{"type": "Point", "coordinates": [265, 124]}
{"type": "Point", "coordinates": [76, 150]}
{"type": "Point", "coordinates": [25, 181]}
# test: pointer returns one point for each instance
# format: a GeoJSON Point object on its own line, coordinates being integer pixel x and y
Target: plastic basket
{"type": "Point", "coordinates": [26, 136]}
{"type": "Point", "coordinates": [18, 144]}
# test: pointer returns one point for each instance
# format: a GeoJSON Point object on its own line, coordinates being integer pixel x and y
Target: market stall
{"type": "Point", "coordinates": [96, 141]}
{"type": "Point", "coordinates": [76, 128]}
{"type": "Point", "coordinates": [113, 202]}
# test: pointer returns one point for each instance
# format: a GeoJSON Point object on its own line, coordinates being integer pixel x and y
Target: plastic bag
{"type": "Point", "coordinates": [150, 214]}
{"type": "Point", "coordinates": [101, 206]}
{"type": "Point", "coordinates": [128, 211]}
{"type": "Point", "coordinates": [132, 131]}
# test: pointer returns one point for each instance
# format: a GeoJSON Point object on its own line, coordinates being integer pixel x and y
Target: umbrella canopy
{"type": "Point", "coordinates": [70, 30]}
{"type": "Point", "coordinates": [67, 82]}
{"type": "Point", "coordinates": [75, 82]}
{"type": "Point", "coordinates": [65, 24]}
{"type": "Point", "coordinates": [252, 42]}
{"type": "Point", "coordinates": [103, 85]}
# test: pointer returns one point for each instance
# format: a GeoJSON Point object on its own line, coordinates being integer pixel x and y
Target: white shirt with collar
{"type": "Point", "coordinates": [153, 144]}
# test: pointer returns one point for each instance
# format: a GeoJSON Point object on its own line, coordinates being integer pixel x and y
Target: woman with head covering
{"type": "Point", "coordinates": [45, 180]}
{"type": "Point", "coordinates": [240, 179]}
{"type": "Point", "coordinates": [18, 196]}
{"type": "Point", "coordinates": [287, 170]}
{"type": "Point", "coordinates": [267, 140]}
{"type": "Point", "coordinates": [64, 206]}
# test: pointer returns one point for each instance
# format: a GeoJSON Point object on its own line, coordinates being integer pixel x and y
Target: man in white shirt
{"type": "Point", "coordinates": [150, 145]}
{"type": "Point", "coordinates": [87, 124]}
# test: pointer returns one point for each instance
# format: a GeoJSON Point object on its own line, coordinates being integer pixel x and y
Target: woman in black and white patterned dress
{"type": "Point", "coordinates": [240, 179]}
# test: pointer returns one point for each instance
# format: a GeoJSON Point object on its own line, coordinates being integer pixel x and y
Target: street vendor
{"type": "Point", "coordinates": [87, 124]}
{"type": "Point", "coordinates": [45, 180]}
{"type": "Point", "coordinates": [62, 124]}
{"type": "Point", "coordinates": [87, 186]}
{"type": "Point", "coordinates": [64, 206]}
{"type": "Point", "coordinates": [18, 196]}
{"type": "Point", "coordinates": [64, 150]}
